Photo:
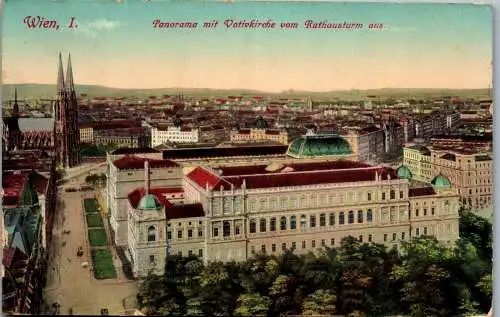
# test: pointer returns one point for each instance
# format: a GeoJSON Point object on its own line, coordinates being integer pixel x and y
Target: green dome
{"type": "Point", "coordinates": [149, 202]}
{"type": "Point", "coordinates": [441, 181]}
{"type": "Point", "coordinates": [404, 172]}
{"type": "Point", "coordinates": [319, 145]}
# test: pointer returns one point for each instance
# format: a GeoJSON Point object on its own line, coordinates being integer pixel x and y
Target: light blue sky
{"type": "Point", "coordinates": [422, 45]}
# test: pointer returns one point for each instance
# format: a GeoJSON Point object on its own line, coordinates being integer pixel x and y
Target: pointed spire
{"type": "Point", "coordinates": [15, 107]}
{"type": "Point", "coordinates": [70, 85]}
{"type": "Point", "coordinates": [60, 75]}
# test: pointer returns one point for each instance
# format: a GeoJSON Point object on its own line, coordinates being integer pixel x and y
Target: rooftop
{"type": "Point", "coordinates": [193, 153]}
{"type": "Point", "coordinates": [287, 168]}
{"type": "Point", "coordinates": [136, 195]}
{"type": "Point", "coordinates": [134, 162]}
{"type": "Point", "coordinates": [311, 177]}
{"type": "Point", "coordinates": [125, 151]}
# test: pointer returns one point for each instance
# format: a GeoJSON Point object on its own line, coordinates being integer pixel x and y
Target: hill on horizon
{"type": "Point", "coordinates": [47, 91]}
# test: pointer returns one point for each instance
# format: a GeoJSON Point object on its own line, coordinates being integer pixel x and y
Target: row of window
{"type": "Point", "coordinates": [293, 202]}
{"type": "Point", "coordinates": [190, 253]}
{"type": "Point", "coordinates": [312, 221]}
{"type": "Point", "coordinates": [284, 246]}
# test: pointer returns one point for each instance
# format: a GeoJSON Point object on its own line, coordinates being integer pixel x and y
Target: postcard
{"type": "Point", "coordinates": [246, 158]}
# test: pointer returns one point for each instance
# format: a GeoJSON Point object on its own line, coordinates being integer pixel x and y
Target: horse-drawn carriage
{"type": "Point", "coordinates": [79, 252]}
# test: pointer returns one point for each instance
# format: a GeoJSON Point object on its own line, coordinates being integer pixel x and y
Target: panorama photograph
{"type": "Point", "coordinates": [241, 158]}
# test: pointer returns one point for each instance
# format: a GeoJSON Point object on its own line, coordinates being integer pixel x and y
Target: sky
{"type": "Point", "coordinates": [116, 45]}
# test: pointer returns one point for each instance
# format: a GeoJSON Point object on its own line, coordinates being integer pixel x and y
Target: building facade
{"type": "Point", "coordinates": [232, 213]}
{"type": "Point", "coordinates": [176, 134]}
{"type": "Point", "coordinates": [126, 174]}
{"type": "Point", "coordinates": [122, 138]}
{"type": "Point", "coordinates": [255, 135]}
{"type": "Point", "coordinates": [470, 172]}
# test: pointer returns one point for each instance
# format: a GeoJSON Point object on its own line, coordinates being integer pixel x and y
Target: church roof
{"type": "Point", "coordinates": [319, 145]}
{"type": "Point", "coordinates": [36, 124]}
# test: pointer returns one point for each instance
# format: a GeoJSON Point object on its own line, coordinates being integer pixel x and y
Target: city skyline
{"type": "Point", "coordinates": [421, 46]}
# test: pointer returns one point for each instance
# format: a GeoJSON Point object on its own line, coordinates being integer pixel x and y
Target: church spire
{"type": "Point", "coordinates": [60, 75]}
{"type": "Point", "coordinates": [70, 86]}
{"type": "Point", "coordinates": [15, 107]}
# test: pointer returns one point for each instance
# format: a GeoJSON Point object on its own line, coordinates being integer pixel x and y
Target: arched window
{"type": "Point", "coordinates": [332, 219]}
{"type": "Point", "coordinates": [283, 223]}
{"type": "Point", "coordinates": [350, 217]}
{"type": "Point", "coordinates": [262, 225]}
{"type": "Point", "coordinates": [322, 220]}
{"type": "Point", "coordinates": [226, 229]}
{"type": "Point", "coordinates": [360, 216]}
{"type": "Point", "coordinates": [341, 218]}
{"type": "Point", "coordinates": [151, 233]}
{"type": "Point", "coordinates": [253, 226]}
{"type": "Point", "coordinates": [272, 225]}
{"type": "Point", "coordinates": [369, 215]}
{"type": "Point", "coordinates": [293, 222]}
{"type": "Point", "coordinates": [303, 222]}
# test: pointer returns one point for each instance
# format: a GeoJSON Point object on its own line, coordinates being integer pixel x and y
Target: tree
{"type": "Point", "coordinates": [321, 302]}
{"type": "Point", "coordinates": [426, 278]}
{"type": "Point", "coordinates": [252, 305]}
{"type": "Point", "coordinates": [478, 231]}
{"type": "Point", "coordinates": [282, 293]}
{"type": "Point", "coordinates": [485, 284]}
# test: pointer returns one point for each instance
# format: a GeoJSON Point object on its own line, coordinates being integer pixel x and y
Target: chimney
{"type": "Point", "coordinates": [146, 176]}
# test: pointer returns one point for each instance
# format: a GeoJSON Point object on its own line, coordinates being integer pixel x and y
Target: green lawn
{"type": "Point", "coordinates": [90, 205]}
{"type": "Point", "coordinates": [103, 264]}
{"type": "Point", "coordinates": [97, 237]}
{"type": "Point", "coordinates": [94, 221]}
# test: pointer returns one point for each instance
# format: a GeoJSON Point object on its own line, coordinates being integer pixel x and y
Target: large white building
{"type": "Point", "coordinates": [123, 175]}
{"type": "Point", "coordinates": [161, 135]}
{"type": "Point", "coordinates": [231, 212]}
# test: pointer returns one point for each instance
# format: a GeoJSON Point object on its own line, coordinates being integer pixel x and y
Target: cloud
{"type": "Point", "coordinates": [92, 28]}
{"type": "Point", "coordinates": [103, 24]}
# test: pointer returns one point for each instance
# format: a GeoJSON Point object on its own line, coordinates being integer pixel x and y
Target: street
{"type": "Point", "coordinates": [70, 284]}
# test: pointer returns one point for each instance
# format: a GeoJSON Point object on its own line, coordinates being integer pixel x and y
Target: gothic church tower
{"type": "Point", "coordinates": [67, 133]}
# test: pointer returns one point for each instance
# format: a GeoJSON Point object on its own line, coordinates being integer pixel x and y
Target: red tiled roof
{"type": "Point", "coordinates": [134, 162]}
{"type": "Point", "coordinates": [290, 168]}
{"type": "Point", "coordinates": [135, 196]}
{"type": "Point", "coordinates": [202, 177]}
{"type": "Point", "coordinates": [12, 256]}
{"type": "Point", "coordinates": [311, 177]}
{"type": "Point", "coordinates": [12, 185]}
{"type": "Point", "coordinates": [184, 211]}
{"type": "Point", "coordinates": [421, 191]}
